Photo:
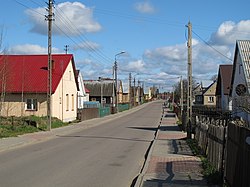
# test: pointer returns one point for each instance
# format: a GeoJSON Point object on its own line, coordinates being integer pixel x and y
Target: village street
{"type": "Point", "coordinates": [109, 154]}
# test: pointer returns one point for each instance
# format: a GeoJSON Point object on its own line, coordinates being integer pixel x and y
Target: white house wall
{"type": "Point", "coordinates": [64, 100]}
{"type": "Point", "coordinates": [239, 78]}
{"type": "Point", "coordinates": [82, 96]}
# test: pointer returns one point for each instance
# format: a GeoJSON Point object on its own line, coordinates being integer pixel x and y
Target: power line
{"type": "Point", "coordinates": [80, 34]}
{"type": "Point", "coordinates": [69, 27]}
{"type": "Point", "coordinates": [212, 47]}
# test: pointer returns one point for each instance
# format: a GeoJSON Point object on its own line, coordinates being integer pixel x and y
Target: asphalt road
{"type": "Point", "coordinates": [108, 155]}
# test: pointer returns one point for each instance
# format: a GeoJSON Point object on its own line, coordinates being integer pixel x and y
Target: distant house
{"type": "Point", "coordinates": [23, 86]}
{"type": "Point", "coordinates": [209, 97]}
{"type": "Point", "coordinates": [223, 88]}
{"type": "Point", "coordinates": [153, 92]}
{"type": "Point", "coordinates": [124, 97]}
{"type": "Point", "coordinates": [100, 89]}
{"type": "Point", "coordinates": [198, 95]}
{"type": "Point", "coordinates": [240, 83]}
{"type": "Point", "coordinates": [83, 93]}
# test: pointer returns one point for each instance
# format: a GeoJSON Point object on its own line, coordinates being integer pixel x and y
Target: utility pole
{"type": "Point", "coordinates": [134, 92]}
{"type": "Point", "coordinates": [49, 18]}
{"type": "Point", "coordinates": [66, 49]}
{"type": "Point", "coordinates": [129, 90]}
{"type": "Point", "coordinates": [116, 81]}
{"type": "Point", "coordinates": [189, 96]}
{"type": "Point", "coordinates": [139, 92]}
{"type": "Point", "coordinates": [116, 88]}
{"type": "Point", "coordinates": [181, 96]}
{"type": "Point", "coordinates": [113, 93]}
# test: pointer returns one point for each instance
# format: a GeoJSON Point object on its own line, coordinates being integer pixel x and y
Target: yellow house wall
{"type": "Point", "coordinates": [13, 105]}
{"type": "Point", "coordinates": [210, 93]}
{"type": "Point", "coordinates": [63, 108]}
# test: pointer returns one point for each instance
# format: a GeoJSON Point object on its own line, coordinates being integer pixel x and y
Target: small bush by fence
{"type": "Point", "coordinates": [210, 136]}
{"type": "Point", "coordinates": [224, 143]}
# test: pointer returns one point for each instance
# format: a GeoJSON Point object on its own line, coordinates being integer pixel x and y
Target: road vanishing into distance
{"type": "Point", "coordinates": [107, 155]}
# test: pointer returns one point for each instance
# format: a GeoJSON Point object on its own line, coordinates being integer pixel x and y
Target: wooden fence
{"type": "Point", "coordinates": [237, 168]}
{"type": "Point", "coordinates": [210, 135]}
{"type": "Point", "coordinates": [227, 146]}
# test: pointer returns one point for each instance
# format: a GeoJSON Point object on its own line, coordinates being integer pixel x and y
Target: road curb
{"type": "Point", "coordinates": [139, 179]}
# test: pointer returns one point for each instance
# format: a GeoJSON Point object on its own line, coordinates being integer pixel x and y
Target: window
{"type": "Point", "coordinates": [210, 99]}
{"type": "Point", "coordinates": [67, 102]}
{"type": "Point", "coordinates": [31, 104]}
{"type": "Point", "coordinates": [73, 102]}
{"type": "Point", "coordinates": [70, 75]}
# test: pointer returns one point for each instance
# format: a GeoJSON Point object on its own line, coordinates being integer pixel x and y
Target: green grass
{"type": "Point", "coordinates": [209, 172]}
{"type": "Point", "coordinates": [14, 126]}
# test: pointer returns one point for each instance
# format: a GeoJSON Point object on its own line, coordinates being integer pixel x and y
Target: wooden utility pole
{"type": "Point", "coordinates": [49, 18]}
{"type": "Point", "coordinates": [116, 87]}
{"type": "Point", "coordinates": [189, 96]}
{"type": "Point", "coordinates": [181, 96]}
{"type": "Point", "coordinates": [129, 90]}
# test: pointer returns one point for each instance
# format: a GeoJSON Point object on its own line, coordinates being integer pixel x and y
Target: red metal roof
{"type": "Point", "coordinates": [29, 74]}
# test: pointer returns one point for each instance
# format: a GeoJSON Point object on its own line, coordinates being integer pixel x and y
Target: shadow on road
{"type": "Point", "coordinates": [145, 128]}
{"type": "Point", "coordinates": [103, 137]}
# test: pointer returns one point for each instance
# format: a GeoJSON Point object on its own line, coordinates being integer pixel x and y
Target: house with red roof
{"type": "Point", "coordinates": [24, 86]}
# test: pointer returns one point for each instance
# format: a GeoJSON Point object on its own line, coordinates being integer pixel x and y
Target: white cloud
{"type": "Point", "coordinates": [145, 7]}
{"type": "Point", "coordinates": [229, 31]}
{"type": "Point", "coordinates": [70, 18]}
{"type": "Point", "coordinates": [134, 66]}
{"type": "Point", "coordinates": [31, 49]}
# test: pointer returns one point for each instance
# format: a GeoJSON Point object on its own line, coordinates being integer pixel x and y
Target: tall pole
{"type": "Point", "coordinates": [100, 78]}
{"type": "Point", "coordinates": [181, 96]}
{"type": "Point", "coordinates": [189, 102]}
{"type": "Point", "coordinates": [139, 92]}
{"type": "Point", "coordinates": [116, 81]}
{"type": "Point", "coordinates": [134, 92]}
{"type": "Point", "coordinates": [129, 90]}
{"type": "Point", "coordinates": [49, 18]}
{"type": "Point", "coordinates": [116, 84]}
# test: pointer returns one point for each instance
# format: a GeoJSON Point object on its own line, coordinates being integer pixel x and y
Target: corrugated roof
{"type": "Point", "coordinates": [94, 87]}
{"type": "Point", "coordinates": [244, 50]}
{"type": "Point", "coordinates": [28, 73]}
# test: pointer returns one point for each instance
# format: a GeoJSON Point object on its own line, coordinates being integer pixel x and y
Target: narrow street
{"type": "Point", "coordinates": [110, 154]}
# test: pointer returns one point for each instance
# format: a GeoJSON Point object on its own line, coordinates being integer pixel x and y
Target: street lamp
{"type": "Point", "coordinates": [115, 100]}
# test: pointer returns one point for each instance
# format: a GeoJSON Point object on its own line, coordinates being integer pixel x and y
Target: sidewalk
{"type": "Point", "coordinates": [170, 161]}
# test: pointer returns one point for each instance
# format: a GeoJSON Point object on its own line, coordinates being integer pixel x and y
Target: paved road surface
{"type": "Point", "coordinates": [108, 155]}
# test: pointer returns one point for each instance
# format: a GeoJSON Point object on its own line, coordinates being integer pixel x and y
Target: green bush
{"type": "Point", "coordinates": [209, 172]}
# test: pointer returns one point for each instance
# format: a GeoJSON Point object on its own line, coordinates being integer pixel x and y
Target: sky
{"type": "Point", "coordinates": [152, 33]}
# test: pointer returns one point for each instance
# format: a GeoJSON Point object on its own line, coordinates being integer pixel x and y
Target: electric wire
{"type": "Point", "coordinates": [67, 35]}
{"type": "Point", "coordinates": [81, 35]}
{"type": "Point", "coordinates": [212, 46]}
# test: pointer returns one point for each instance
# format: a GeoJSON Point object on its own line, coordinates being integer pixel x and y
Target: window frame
{"type": "Point", "coordinates": [31, 104]}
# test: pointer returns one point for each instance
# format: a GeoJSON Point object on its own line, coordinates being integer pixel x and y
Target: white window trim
{"type": "Point", "coordinates": [34, 104]}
